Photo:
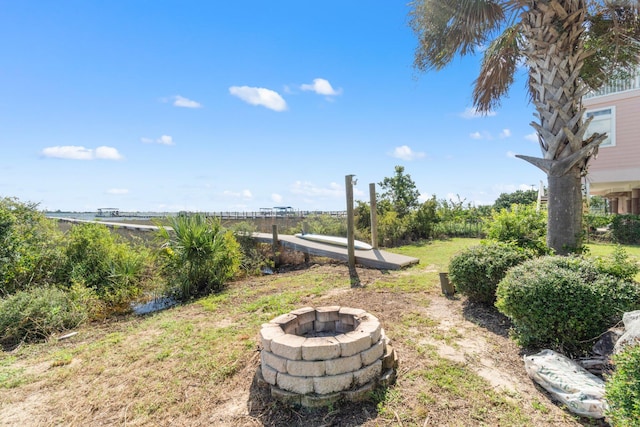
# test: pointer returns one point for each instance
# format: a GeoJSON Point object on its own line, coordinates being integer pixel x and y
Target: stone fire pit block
{"type": "Point", "coordinates": [320, 348]}
{"type": "Point", "coordinates": [318, 356]}
{"type": "Point", "coordinates": [288, 346]}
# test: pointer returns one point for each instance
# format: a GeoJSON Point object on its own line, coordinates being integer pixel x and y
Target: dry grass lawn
{"type": "Point", "coordinates": [195, 364]}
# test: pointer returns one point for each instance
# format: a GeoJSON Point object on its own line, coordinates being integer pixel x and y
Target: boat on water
{"type": "Point", "coordinates": [334, 240]}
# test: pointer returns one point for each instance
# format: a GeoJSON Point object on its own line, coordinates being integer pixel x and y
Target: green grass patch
{"type": "Point", "coordinates": [413, 319]}
{"type": "Point", "coordinates": [213, 302]}
{"type": "Point", "coordinates": [407, 283]}
{"type": "Point", "coordinates": [11, 376]}
{"type": "Point", "coordinates": [606, 249]}
{"type": "Point", "coordinates": [62, 358]}
{"type": "Point", "coordinates": [435, 253]}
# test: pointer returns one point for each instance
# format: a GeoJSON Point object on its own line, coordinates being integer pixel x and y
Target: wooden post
{"type": "Point", "coordinates": [351, 253]}
{"type": "Point", "coordinates": [446, 285]}
{"type": "Point", "coordinates": [275, 244]}
{"type": "Point", "coordinates": [374, 215]}
{"type": "Point", "coordinates": [305, 230]}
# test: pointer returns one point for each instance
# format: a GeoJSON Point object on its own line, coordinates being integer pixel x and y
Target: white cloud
{"type": "Point", "coordinates": [163, 140]}
{"type": "Point", "coordinates": [533, 137]}
{"type": "Point", "coordinates": [181, 101]}
{"type": "Point", "coordinates": [276, 198]}
{"type": "Point", "coordinates": [481, 135]}
{"type": "Point", "coordinates": [511, 154]}
{"type": "Point", "coordinates": [107, 153]}
{"type": "Point", "coordinates": [405, 152]}
{"type": "Point", "coordinates": [117, 191]}
{"type": "Point", "coordinates": [321, 87]}
{"type": "Point", "coordinates": [259, 96]}
{"type": "Point", "coordinates": [75, 152]}
{"type": "Point", "coordinates": [306, 188]}
{"type": "Point", "coordinates": [506, 133]}
{"type": "Point", "coordinates": [475, 135]}
{"type": "Point", "coordinates": [473, 113]}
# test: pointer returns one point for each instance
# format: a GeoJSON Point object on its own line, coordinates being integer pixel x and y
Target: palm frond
{"type": "Point", "coordinates": [498, 69]}
{"type": "Point", "coordinates": [448, 28]}
{"type": "Point", "coordinates": [612, 42]}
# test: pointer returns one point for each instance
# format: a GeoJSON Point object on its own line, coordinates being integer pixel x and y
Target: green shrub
{"type": "Point", "coordinates": [622, 388]}
{"type": "Point", "coordinates": [200, 256]}
{"type": "Point", "coordinates": [593, 221]}
{"type": "Point", "coordinates": [29, 247]}
{"type": "Point", "coordinates": [362, 216]}
{"type": "Point", "coordinates": [626, 229]}
{"type": "Point", "coordinates": [36, 314]}
{"type": "Point", "coordinates": [563, 303]}
{"type": "Point", "coordinates": [522, 225]}
{"type": "Point", "coordinates": [477, 270]}
{"type": "Point", "coordinates": [253, 259]}
{"type": "Point", "coordinates": [618, 264]}
{"type": "Point", "coordinates": [391, 229]}
{"type": "Point", "coordinates": [423, 219]}
{"type": "Point", "coordinates": [459, 228]}
{"type": "Point", "coordinates": [98, 259]}
{"type": "Point", "coordinates": [326, 224]}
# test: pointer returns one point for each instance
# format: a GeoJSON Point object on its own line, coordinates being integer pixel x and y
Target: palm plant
{"type": "Point", "coordinates": [201, 255]}
{"type": "Point", "coordinates": [569, 47]}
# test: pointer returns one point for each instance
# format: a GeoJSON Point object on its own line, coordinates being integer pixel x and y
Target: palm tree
{"type": "Point", "coordinates": [569, 48]}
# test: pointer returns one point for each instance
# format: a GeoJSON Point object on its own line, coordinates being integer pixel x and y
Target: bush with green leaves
{"type": "Point", "coordinates": [29, 247]}
{"type": "Point", "coordinates": [618, 264]}
{"type": "Point", "coordinates": [423, 219]}
{"type": "Point", "coordinates": [519, 197]}
{"type": "Point", "coordinates": [563, 303]}
{"type": "Point", "coordinates": [391, 229]}
{"type": "Point", "coordinates": [476, 271]}
{"type": "Point", "coordinates": [326, 224]}
{"type": "Point", "coordinates": [626, 229]}
{"type": "Point", "coordinates": [37, 313]}
{"type": "Point", "coordinates": [253, 258]}
{"type": "Point", "coordinates": [199, 255]}
{"type": "Point", "coordinates": [98, 259]}
{"type": "Point", "coordinates": [522, 225]}
{"type": "Point", "coordinates": [593, 221]}
{"type": "Point", "coordinates": [622, 388]}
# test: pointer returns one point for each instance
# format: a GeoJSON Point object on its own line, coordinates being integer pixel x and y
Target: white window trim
{"type": "Point", "coordinates": [612, 117]}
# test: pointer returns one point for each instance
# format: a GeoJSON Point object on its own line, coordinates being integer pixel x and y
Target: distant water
{"type": "Point", "coordinates": [93, 216]}
{"type": "Point", "coordinates": [154, 305]}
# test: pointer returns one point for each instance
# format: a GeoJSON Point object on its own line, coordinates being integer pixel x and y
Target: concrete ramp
{"type": "Point", "coordinates": [374, 258]}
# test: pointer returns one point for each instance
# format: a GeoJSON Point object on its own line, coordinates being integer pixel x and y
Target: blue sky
{"type": "Point", "coordinates": [235, 106]}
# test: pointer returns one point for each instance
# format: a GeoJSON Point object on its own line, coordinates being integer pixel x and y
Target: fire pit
{"type": "Point", "coordinates": [318, 356]}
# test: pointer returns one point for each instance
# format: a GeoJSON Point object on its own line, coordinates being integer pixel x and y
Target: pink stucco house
{"type": "Point", "coordinates": [615, 173]}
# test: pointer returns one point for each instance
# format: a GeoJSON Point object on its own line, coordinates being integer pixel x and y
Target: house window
{"type": "Point", "coordinates": [604, 121]}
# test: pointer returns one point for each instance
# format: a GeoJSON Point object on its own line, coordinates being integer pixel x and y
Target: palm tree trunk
{"type": "Point", "coordinates": [564, 225]}
{"type": "Point", "coordinates": [555, 56]}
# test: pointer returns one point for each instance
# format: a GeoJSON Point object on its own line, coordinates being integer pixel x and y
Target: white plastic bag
{"type": "Point", "coordinates": [581, 391]}
{"type": "Point", "coordinates": [631, 335]}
